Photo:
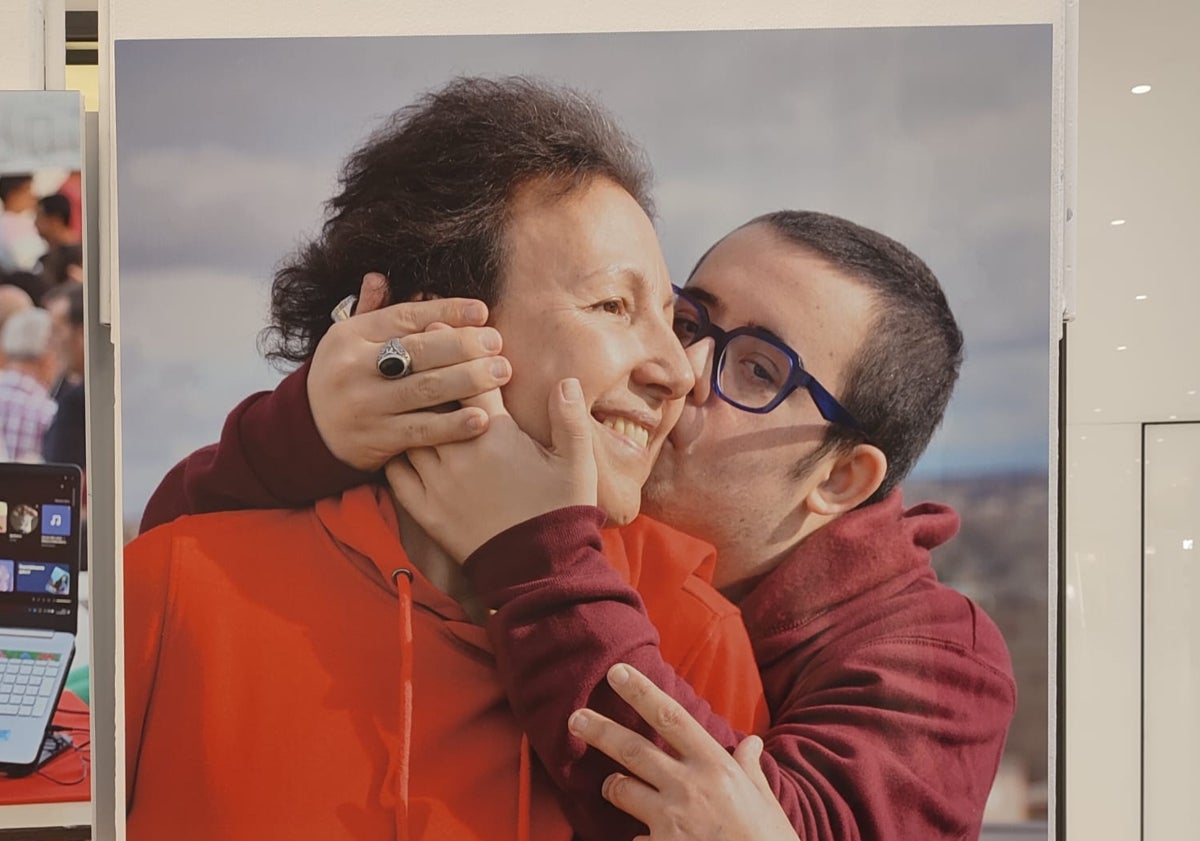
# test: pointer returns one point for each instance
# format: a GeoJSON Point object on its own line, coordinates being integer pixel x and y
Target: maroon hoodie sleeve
{"type": "Point", "coordinates": [895, 738]}
{"type": "Point", "coordinates": [270, 456]}
{"type": "Point", "coordinates": [563, 617]}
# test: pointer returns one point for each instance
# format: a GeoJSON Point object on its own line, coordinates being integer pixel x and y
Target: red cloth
{"type": "Point", "coordinates": [891, 694]}
{"type": "Point", "coordinates": [266, 662]}
{"type": "Point", "coordinates": [68, 777]}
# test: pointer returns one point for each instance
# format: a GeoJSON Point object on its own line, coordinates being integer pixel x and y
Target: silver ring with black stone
{"type": "Point", "coordinates": [394, 360]}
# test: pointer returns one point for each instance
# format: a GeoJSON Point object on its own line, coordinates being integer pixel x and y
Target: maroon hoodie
{"type": "Point", "coordinates": [890, 694]}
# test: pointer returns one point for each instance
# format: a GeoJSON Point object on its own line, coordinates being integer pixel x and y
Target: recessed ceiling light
{"type": "Point", "coordinates": [1172, 417]}
{"type": "Point", "coordinates": [1122, 347]}
{"type": "Point", "coordinates": [1140, 297]}
{"type": "Point", "coordinates": [1096, 410]}
{"type": "Point", "coordinates": [1191, 392]}
{"type": "Point", "coordinates": [1140, 89]}
{"type": "Point", "coordinates": [1116, 222]}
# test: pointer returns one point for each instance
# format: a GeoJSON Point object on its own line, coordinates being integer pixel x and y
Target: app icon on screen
{"type": "Point", "coordinates": [56, 520]}
{"type": "Point", "coordinates": [23, 519]}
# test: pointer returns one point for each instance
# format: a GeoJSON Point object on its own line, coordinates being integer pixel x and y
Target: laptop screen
{"type": "Point", "coordinates": [39, 546]}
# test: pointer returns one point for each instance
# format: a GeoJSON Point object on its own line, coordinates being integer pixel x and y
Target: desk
{"type": "Point", "coordinates": [59, 793]}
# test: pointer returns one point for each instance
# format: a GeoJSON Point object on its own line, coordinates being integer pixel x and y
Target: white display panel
{"type": "Point", "coordinates": [1171, 667]}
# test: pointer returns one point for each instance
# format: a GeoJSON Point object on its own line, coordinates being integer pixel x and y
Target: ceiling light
{"type": "Point", "coordinates": [1122, 347]}
{"type": "Point", "coordinates": [1096, 410]}
{"type": "Point", "coordinates": [1140, 89]}
{"type": "Point", "coordinates": [1172, 417]}
{"type": "Point", "coordinates": [1140, 297]}
{"type": "Point", "coordinates": [1192, 393]}
{"type": "Point", "coordinates": [1116, 222]}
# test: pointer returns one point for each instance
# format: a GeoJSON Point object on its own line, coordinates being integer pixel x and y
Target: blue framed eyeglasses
{"type": "Point", "coordinates": [752, 369]}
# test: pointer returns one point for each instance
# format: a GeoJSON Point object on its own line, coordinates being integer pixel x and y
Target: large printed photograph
{"type": "Point", "coordinates": [45, 720]}
{"type": "Point", "coordinates": [759, 405]}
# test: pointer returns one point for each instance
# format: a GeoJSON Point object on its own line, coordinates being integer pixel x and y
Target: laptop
{"type": "Point", "coordinates": [39, 602]}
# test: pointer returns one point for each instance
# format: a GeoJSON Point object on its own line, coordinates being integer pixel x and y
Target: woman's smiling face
{"type": "Point", "coordinates": [585, 293]}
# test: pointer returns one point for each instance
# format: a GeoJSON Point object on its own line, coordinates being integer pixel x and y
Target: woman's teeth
{"type": "Point", "coordinates": [633, 431]}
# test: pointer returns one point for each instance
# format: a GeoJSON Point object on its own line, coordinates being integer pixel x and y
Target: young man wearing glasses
{"type": "Point", "coordinates": [890, 694]}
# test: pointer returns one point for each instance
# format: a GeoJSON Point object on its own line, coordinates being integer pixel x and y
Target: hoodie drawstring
{"type": "Point", "coordinates": [524, 791]}
{"type": "Point", "coordinates": [403, 578]}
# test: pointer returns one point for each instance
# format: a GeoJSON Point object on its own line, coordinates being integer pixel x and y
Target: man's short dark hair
{"type": "Point", "coordinates": [427, 199]}
{"type": "Point", "coordinates": [72, 293]}
{"type": "Point", "coordinates": [899, 381]}
{"type": "Point", "coordinates": [13, 182]}
{"type": "Point", "coordinates": [57, 206]}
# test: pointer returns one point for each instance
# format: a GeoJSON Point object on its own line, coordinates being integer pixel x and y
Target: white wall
{"type": "Point", "coordinates": [21, 61]}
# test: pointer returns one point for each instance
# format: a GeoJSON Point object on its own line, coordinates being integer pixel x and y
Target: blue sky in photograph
{"type": "Point", "coordinates": [939, 137]}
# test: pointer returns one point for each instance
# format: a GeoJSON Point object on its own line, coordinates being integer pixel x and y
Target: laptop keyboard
{"type": "Point", "coordinates": [27, 682]}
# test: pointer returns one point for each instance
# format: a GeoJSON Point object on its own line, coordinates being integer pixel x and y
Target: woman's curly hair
{"type": "Point", "coordinates": [426, 200]}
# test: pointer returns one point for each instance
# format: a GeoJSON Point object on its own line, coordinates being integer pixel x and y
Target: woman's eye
{"type": "Point", "coordinates": [615, 307]}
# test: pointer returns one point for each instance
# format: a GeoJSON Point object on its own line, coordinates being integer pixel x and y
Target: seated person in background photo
{"type": "Point", "coordinates": [30, 367]}
{"type": "Point", "coordinates": [361, 700]}
{"type": "Point", "coordinates": [20, 245]}
{"type": "Point", "coordinates": [891, 694]}
{"type": "Point", "coordinates": [66, 438]}
{"type": "Point", "coordinates": [64, 255]}
{"type": "Point", "coordinates": [12, 299]}
{"type": "Point", "coordinates": [65, 441]}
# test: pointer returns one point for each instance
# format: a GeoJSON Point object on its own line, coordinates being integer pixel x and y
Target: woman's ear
{"type": "Point", "coordinates": [853, 476]}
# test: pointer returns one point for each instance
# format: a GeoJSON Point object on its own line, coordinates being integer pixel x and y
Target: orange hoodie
{"type": "Point", "coordinates": [285, 680]}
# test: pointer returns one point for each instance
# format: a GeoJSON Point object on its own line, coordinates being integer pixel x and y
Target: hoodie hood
{"type": "Point", "coordinates": [879, 546]}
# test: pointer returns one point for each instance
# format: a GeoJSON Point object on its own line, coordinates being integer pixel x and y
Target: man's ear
{"type": "Point", "coordinates": [851, 477]}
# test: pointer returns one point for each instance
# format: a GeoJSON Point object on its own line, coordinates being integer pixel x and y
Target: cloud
{"type": "Point", "coordinates": [188, 356]}
{"type": "Point", "coordinates": [217, 206]}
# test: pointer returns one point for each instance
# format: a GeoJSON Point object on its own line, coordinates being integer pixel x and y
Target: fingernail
{"type": "Point", "coordinates": [571, 391]}
{"type": "Point", "coordinates": [618, 675]}
{"type": "Point", "coordinates": [578, 722]}
{"type": "Point", "coordinates": [490, 340]}
{"type": "Point", "coordinates": [606, 786]}
{"type": "Point", "coordinates": [500, 369]}
{"type": "Point", "coordinates": [475, 422]}
{"type": "Point", "coordinates": [474, 312]}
